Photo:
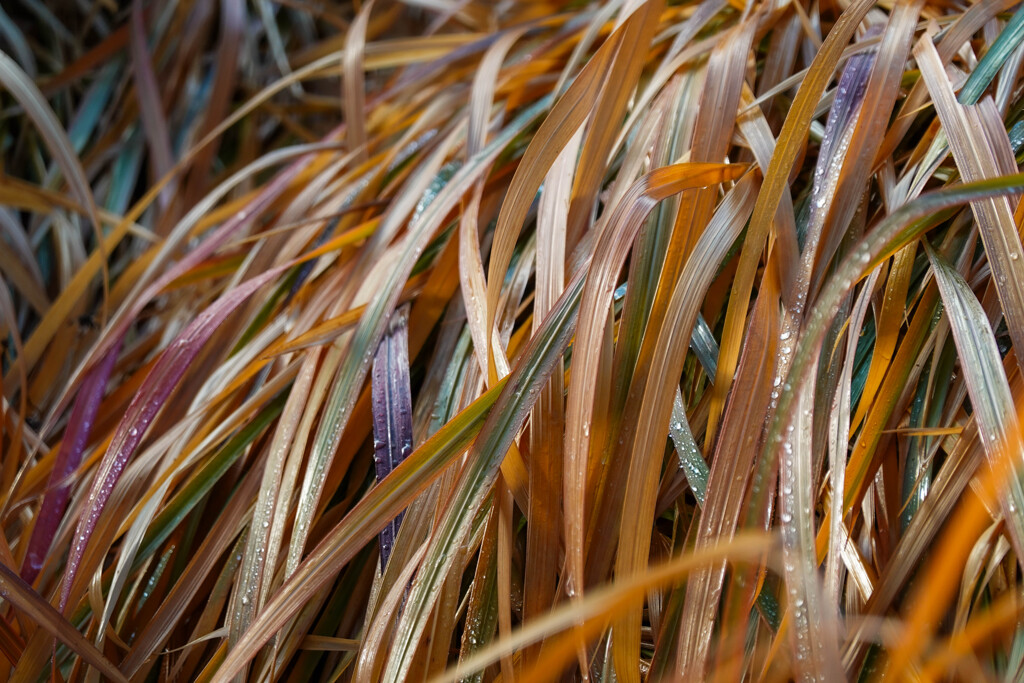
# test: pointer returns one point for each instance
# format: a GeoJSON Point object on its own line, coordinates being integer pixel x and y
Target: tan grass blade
{"type": "Point", "coordinates": [726, 484]}
{"type": "Point", "coordinates": [791, 141]}
{"type": "Point", "coordinates": [599, 606]}
{"type": "Point", "coordinates": [981, 156]}
{"type": "Point", "coordinates": [558, 128]}
{"type": "Point", "coordinates": [641, 486]}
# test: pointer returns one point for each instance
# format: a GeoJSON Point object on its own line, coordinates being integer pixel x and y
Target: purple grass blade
{"type": "Point", "coordinates": [392, 412]}
{"type": "Point", "coordinates": [842, 118]}
{"type": "Point", "coordinates": [121, 322]}
{"type": "Point", "coordinates": [155, 389]}
{"type": "Point", "coordinates": [204, 250]}
{"type": "Point", "coordinates": [58, 490]}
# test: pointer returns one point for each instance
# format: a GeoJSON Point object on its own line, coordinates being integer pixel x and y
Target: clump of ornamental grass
{"type": "Point", "coordinates": [471, 340]}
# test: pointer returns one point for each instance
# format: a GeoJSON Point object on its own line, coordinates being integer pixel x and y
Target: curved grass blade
{"type": "Point", "coordinates": [998, 52]}
{"type": "Point", "coordinates": [791, 141]}
{"type": "Point", "coordinates": [359, 526]}
{"type": "Point", "coordinates": [353, 87]}
{"type": "Point", "coordinates": [726, 483]}
{"type": "Point", "coordinates": [189, 496]}
{"type": "Point", "coordinates": [143, 409]}
{"type": "Point", "coordinates": [481, 470]}
{"type": "Point", "coordinates": [865, 133]}
{"type": "Point", "coordinates": [595, 609]}
{"type": "Point", "coordinates": [21, 595]}
{"type": "Point", "coordinates": [980, 155]}
{"type": "Point", "coordinates": [838, 440]}
{"type": "Point", "coordinates": [24, 90]}
{"type": "Point", "coordinates": [471, 269]}
{"type": "Point", "coordinates": [655, 412]}
{"type": "Point", "coordinates": [987, 385]}
{"type": "Point", "coordinates": [610, 106]}
{"type": "Point", "coordinates": [609, 256]}
{"type": "Point", "coordinates": [367, 336]}
{"type": "Point", "coordinates": [558, 129]}
{"type": "Point", "coordinates": [547, 418]}
{"type": "Point", "coordinates": [147, 93]}
{"type": "Point", "coordinates": [76, 436]}
{"type": "Point", "coordinates": [898, 229]}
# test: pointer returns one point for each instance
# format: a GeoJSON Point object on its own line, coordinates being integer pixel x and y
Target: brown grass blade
{"type": "Point", "coordinates": [641, 486]}
{"type": "Point", "coordinates": [791, 141]}
{"type": "Point", "coordinates": [32, 605]}
{"type": "Point", "coordinates": [981, 156]}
